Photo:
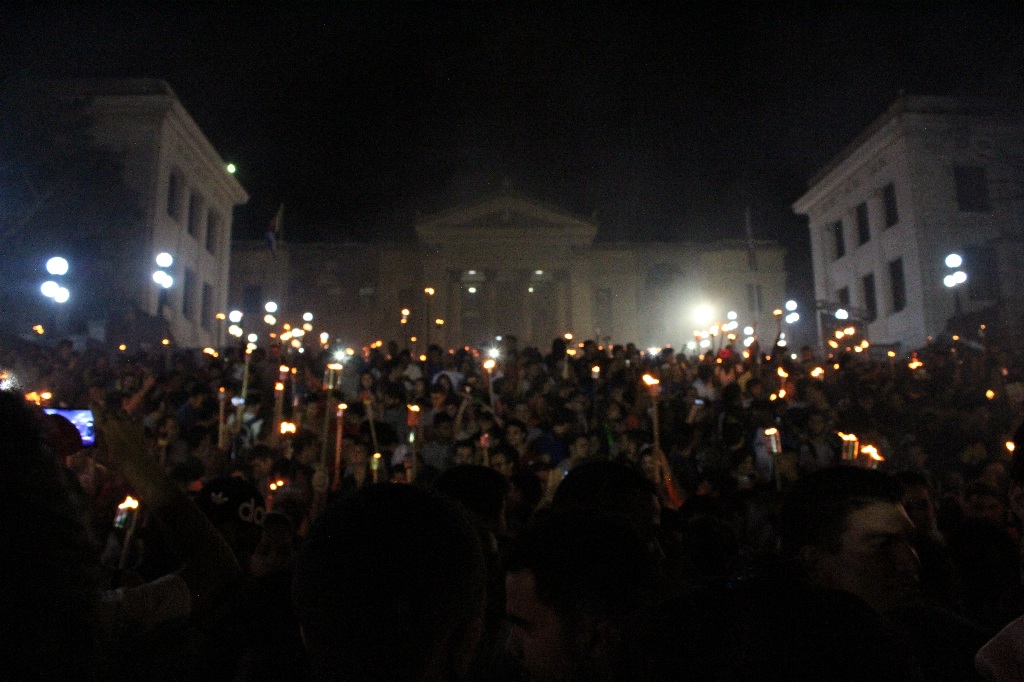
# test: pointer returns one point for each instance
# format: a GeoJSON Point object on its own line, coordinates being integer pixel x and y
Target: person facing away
{"type": "Point", "coordinates": [390, 585]}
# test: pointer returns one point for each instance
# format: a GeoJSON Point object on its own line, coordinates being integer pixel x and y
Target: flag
{"type": "Point", "coordinates": [275, 232]}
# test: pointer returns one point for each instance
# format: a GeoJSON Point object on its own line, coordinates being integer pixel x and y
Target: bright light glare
{"type": "Point", "coordinates": [703, 315]}
{"type": "Point", "coordinates": [950, 281]}
{"type": "Point", "coordinates": [842, 314]}
{"type": "Point", "coordinates": [270, 319]}
{"type": "Point", "coordinates": [164, 260]}
{"type": "Point", "coordinates": [235, 316]}
{"type": "Point", "coordinates": [791, 318]}
{"type": "Point", "coordinates": [307, 317]}
{"type": "Point", "coordinates": [252, 338]}
{"type": "Point", "coordinates": [791, 305]}
{"type": "Point", "coordinates": [960, 277]}
{"type": "Point", "coordinates": [472, 290]}
{"type": "Point", "coordinates": [731, 315]}
{"type": "Point", "coordinates": [62, 295]}
{"type": "Point", "coordinates": [271, 307]}
{"type": "Point", "coordinates": [57, 266]}
{"type": "Point", "coordinates": [493, 353]}
{"type": "Point", "coordinates": [747, 331]}
{"type": "Point", "coordinates": [49, 289]}
{"type": "Point", "coordinates": [705, 343]}
{"type": "Point", "coordinates": [231, 168]}
{"type": "Point", "coordinates": [954, 261]}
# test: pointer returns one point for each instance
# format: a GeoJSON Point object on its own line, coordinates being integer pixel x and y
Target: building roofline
{"type": "Point", "coordinates": [907, 104]}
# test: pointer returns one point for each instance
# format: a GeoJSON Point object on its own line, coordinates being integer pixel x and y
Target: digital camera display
{"type": "Point", "coordinates": [82, 419]}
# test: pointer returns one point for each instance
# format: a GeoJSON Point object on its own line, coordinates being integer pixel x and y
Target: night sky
{"type": "Point", "coordinates": [663, 121]}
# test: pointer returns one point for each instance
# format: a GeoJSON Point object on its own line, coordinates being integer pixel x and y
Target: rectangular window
{"type": "Point", "coordinates": [982, 271]}
{"type": "Point", "coordinates": [755, 298]}
{"type": "Point", "coordinates": [603, 311]}
{"type": "Point", "coordinates": [174, 202]}
{"type": "Point", "coordinates": [889, 201]}
{"type": "Point", "coordinates": [840, 239]}
{"type": "Point", "coordinates": [207, 307]}
{"type": "Point", "coordinates": [972, 189]}
{"type": "Point", "coordinates": [193, 218]}
{"type": "Point", "coordinates": [189, 294]}
{"type": "Point", "coordinates": [843, 296]}
{"type": "Point", "coordinates": [899, 288]}
{"type": "Point", "coordinates": [870, 298]}
{"type": "Point", "coordinates": [252, 299]}
{"type": "Point", "coordinates": [211, 236]}
{"type": "Point", "coordinates": [863, 225]}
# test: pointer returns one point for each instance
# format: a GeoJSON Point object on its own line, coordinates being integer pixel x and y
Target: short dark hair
{"type": "Point", "coordinates": [584, 563]}
{"type": "Point", "coordinates": [816, 508]}
{"type": "Point", "coordinates": [382, 577]}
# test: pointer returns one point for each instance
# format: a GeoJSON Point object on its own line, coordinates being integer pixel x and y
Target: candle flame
{"type": "Point", "coordinates": [1010, 446]}
{"type": "Point", "coordinates": [847, 438]}
{"type": "Point", "coordinates": [871, 451]}
{"type": "Point", "coordinates": [342, 407]}
{"type": "Point", "coordinates": [649, 380]}
{"type": "Point", "coordinates": [781, 372]}
{"type": "Point", "coordinates": [284, 369]}
{"type": "Point", "coordinates": [286, 427]}
{"type": "Point", "coordinates": [817, 372]}
{"type": "Point", "coordinates": [489, 364]}
{"type": "Point", "coordinates": [773, 397]}
{"type": "Point", "coordinates": [129, 503]}
{"type": "Point", "coordinates": [596, 369]}
{"type": "Point", "coordinates": [414, 408]}
{"type": "Point", "coordinates": [335, 366]}
{"type": "Point", "coordinates": [770, 431]}
{"type": "Point", "coordinates": [989, 394]}
{"type": "Point", "coordinates": [278, 387]}
{"type": "Point", "coordinates": [915, 364]}
{"type": "Point", "coordinates": [273, 486]}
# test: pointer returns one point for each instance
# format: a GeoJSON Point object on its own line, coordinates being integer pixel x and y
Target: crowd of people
{"type": "Point", "coordinates": [616, 514]}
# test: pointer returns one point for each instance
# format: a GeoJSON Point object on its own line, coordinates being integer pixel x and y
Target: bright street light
{"type": "Point", "coordinates": [307, 317]}
{"type": "Point", "coordinates": [235, 316]}
{"type": "Point", "coordinates": [163, 279]}
{"type": "Point", "coordinates": [960, 277]}
{"type": "Point", "coordinates": [791, 318]}
{"type": "Point", "coordinates": [950, 281]}
{"type": "Point", "coordinates": [57, 266]}
{"type": "Point", "coordinates": [164, 260]}
{"type": "Point", "coordinates": [954, 261]}
{"type": "Point", "coordinates": [271, 307]}
{"type": "Point", "coordinates": [62, 295]}
{"type": "Point", "coordinates": [703, 315]}
{"type": "Point", "coordinates": [842, 314]}
{"type": "Point", "coordinates": [49, 289]}
{"type": "Point", "coordinates": [791, 305]}
{"type": "Point", "coordinates": [731, 315]}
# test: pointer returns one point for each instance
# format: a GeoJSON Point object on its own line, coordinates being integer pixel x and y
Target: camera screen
{"type": "Point", "coordinates": [82, 419]}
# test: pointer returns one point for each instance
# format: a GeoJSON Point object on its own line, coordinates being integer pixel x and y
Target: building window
{"type": "Point", "coordinates": [899, 289]}
{"type": "Point", "coordinates": [252, 299]}
{"type": "Point", "coordinates": [603, 307]}
{"type": "Point", "coordinates": [972, 189]}
{"type": "Point", "coordinates": [843, 296]}
{"type": "Point", "coordinates": [889, 201]}
{"type": "Point", "coordinates": [189, 293]}
{"type": "Point", "coordinates": [174, 202]}
{"type": "Point", "coordinates": [870, 298]}
{"type": "Point", "coordinates": [863, 225]}
{"type": "Point", "coordinates": [207, 307]}
{"type": "Point", "coordinates": [755, 298]}
{"type": "Point", "coordinates": [840, 239]}
{"type": "Point", "coordinates": [211, 236]}
{"type": "Point", "coordinates": [193, 218]}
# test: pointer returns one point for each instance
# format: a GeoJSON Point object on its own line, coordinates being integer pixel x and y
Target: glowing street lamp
{"type": "Point", "coordinates": [57, 266]}
{"type": "Point", "coordinates": [271, 307]}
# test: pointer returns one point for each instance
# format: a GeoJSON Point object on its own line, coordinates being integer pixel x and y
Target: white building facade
{"type": "Point", "coordinates": [186, 195]}
{"type": "Point", "coordinates": [507, 265]}
{"type": "Point", "coordinates": [930, 178]}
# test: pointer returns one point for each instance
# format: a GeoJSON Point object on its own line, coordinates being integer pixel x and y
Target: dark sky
{"type": "Point", "coordinates": [664, 120]}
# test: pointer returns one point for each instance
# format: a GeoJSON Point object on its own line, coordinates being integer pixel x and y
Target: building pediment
{"type": "Point", "coordinates": [506, 217]}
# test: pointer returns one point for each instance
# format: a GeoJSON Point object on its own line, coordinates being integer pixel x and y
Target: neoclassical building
{"type": "Point", "coordinates": [508, 265]}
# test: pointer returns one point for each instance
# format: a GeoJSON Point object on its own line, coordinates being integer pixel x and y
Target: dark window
{"type": "Point", "coordinates": [603, 315]}
{"type": "Point", "coordinates": [207, 307]}
{"type": "Point", "coordinates": [870, 298]}
{"type": "Point", "coordinates": [980, 265]}
{"type": "Point", "coordinates": [211, 237]}
{"type": "Point", "coordinates": [972, 189]}
{"type": "Point", "coordinates": [840, 239]}
{"type": "Point", "coordinates": [863, 225]}
{"type": "Point", "coordinates": [189, 293]}
{"type": "Point", "coordinates": [174, 203]}
{"type": "Point", "coordinates": [843, 296]}
{"type": "Point", "coordinates": [193, 218]}
{"type": "Point", "coordinates": [899, 287]}
{"type": "Point", "coordinates": [755, 298]}
{"type": "Point", "coordinates": [889, 201]}
{"type": "Point", "coordinates": [252, 299]}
